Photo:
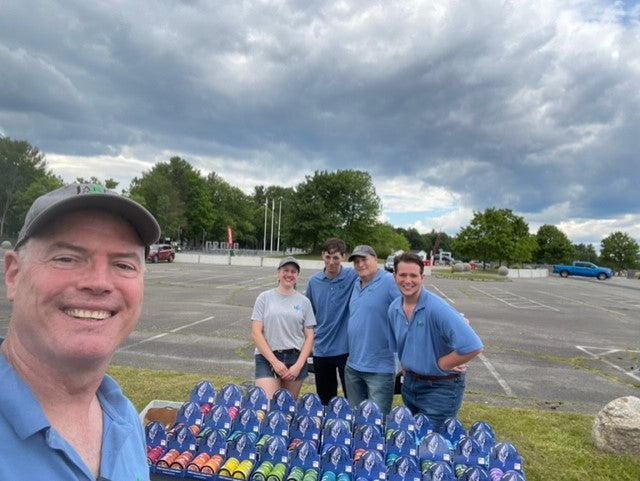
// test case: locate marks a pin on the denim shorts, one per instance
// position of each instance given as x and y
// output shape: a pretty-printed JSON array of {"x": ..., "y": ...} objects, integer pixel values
[{"x": 288, "y": 357}]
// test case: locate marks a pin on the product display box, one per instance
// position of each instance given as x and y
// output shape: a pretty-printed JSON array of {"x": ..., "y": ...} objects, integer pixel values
[
  {"x": 283, "y": 401},
  {"x": 401, "y": 442},
  {"x": 404, "y": 468},
  {"x": 368, "y": 436},
  {"x": 246, "y": 422},
  {"x": 439, "y": 471},
  {"x": 453, "y": 430},
  {"x": 336, "y": 459},
  {"x": 423, "y": 426},
  {"x": 310, "y": 404},
  {"x": 238, "y": 434},
  {"x": 306, "y": 428},
  {"x": 218, "y": 418},
  {"x": 504, "y": 457},
  {"x": 339, "y": 408},
  {"x": 368, "y": 412},
  {"x": 468, "y": 453},
  {"x": 401, "y": 418},
  {"x": 275, "y": 423},
  {"x": 370, "y": 466},
  {"x": 256, "y": 399},
  {"x": 203, "y": 393},
  {"x": 337, "y": 432},
  {"x": 305, "y": 456}
]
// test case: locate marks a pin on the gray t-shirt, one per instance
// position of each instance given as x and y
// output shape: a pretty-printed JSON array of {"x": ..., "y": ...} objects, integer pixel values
[{"x": 284, "y": 318}]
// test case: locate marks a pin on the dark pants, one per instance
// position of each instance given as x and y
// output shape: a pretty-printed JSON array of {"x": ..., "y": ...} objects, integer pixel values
[{"x": 324, "y": 369}]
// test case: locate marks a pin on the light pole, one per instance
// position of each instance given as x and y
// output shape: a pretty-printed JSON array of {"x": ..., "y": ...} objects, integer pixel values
[
  {"x": 264, "y": 241},
  {"x": 279, "y": 217},
  {"x": 273, "y": 210}
]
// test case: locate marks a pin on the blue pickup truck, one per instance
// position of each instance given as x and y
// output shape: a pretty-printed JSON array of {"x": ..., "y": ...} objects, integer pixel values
[{"x": 586, "y": 269}]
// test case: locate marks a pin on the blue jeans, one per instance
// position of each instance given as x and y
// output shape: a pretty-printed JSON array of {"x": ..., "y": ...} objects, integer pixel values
[
  {"x": 438, "y": 400},
  {"x": 370, "y": 385}
]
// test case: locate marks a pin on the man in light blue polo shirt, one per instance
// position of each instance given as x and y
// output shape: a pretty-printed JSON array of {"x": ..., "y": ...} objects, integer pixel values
[
  {"x": 76, "y": 282},
  {"x": 329, "y": 292},
  {"x": 371, "y": 367},
  {"x": 433, "y": 341}
]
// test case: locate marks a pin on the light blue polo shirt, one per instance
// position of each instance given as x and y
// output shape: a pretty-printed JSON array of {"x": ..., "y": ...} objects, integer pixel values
[
  {"x": 330, "y": 301},
  {"x": 369, "y": 332},
  {"x": 33, "y": 450},
  {"x": 434, "y": 330}
]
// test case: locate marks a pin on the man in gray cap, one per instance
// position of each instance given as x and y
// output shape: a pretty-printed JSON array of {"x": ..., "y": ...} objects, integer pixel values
[
  {"x": 371, "y": 366},
  {"x": 76, "y": 282}
]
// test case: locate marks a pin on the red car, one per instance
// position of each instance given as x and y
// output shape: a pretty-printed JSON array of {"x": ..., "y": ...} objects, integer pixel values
[{"x": 161, "y": 252}]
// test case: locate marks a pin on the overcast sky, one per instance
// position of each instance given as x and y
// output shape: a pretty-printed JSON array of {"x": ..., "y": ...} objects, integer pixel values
[{"x": 452, "y": 106}]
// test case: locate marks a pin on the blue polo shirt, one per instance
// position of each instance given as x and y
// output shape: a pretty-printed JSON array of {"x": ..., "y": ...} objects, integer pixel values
[
  {"x": 369, "y": 333},
  {"x": 33, "y": 450},
  {"x": 330, "y": 301},
  {"x": 434, "y": 330}
]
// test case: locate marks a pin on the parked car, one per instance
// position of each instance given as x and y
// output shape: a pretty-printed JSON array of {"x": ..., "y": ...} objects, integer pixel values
[
  {"x": 479, "y": 265},
  {"x": 388, "y": 264},
  {"x": 581, "y": 268},
  {"x": 161, "y": 252}
]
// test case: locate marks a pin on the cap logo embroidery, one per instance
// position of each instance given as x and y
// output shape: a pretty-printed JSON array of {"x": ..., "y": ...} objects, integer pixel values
[{"x": 91, "y": 189}]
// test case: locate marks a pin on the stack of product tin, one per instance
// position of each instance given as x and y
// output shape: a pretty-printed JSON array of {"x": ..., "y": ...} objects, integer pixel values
[{"x": 237, "y": 434}]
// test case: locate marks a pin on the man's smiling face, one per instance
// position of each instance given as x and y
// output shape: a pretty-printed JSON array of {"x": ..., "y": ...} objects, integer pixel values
[{"x": 77, "y": 288}]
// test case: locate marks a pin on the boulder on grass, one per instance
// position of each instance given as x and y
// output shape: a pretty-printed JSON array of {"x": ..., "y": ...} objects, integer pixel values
[
  {"x": 616, "y": 428},
  {"x": 459, "y": 267}
]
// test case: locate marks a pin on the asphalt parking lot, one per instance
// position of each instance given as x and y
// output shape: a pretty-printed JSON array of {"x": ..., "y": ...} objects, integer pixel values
[{"x": 551, "y": 343}]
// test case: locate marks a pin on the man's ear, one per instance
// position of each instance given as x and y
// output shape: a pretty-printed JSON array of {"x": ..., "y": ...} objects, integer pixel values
[{"x": 11, "y": 271}]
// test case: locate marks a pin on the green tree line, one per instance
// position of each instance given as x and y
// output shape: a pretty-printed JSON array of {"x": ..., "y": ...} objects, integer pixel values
[{"x": 193, "y": 208}]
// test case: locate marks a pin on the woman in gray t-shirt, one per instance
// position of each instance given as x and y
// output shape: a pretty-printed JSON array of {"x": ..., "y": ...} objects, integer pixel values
[{"x": 282, "y": 329}]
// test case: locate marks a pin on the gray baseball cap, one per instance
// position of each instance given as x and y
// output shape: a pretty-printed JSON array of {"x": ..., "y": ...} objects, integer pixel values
[
  {"x": 362, "y": 251},
  {"x": 56, "y": 203},
  {"x": 289, "y": 260}
]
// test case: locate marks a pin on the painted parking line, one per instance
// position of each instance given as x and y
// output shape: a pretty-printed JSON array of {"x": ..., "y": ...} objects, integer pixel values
[
  {"x": 442, "y": 294},
  {"x": 494, "y": 373},
  {"x": 624, "y": 302},
  {"x": 573, "y": 300},
  {"x": 213, "y": 361},
  {"x": 245, "y": 282},
  {"x": 514, "y": 300},
  {"x": 503, "y": 384},
  {"x": 202, "y": 279},
  {"x": 599, "y": 353},
  {"x": 159, "y": 336}
]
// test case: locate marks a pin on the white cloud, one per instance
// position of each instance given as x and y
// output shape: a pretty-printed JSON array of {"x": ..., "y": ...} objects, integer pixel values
[
  {"x": 592, "y": 231},
  {"x": 410, "y": 194}
]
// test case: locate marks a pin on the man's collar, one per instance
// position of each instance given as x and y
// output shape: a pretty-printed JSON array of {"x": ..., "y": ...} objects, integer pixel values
[{"x": 324, "y": 271}]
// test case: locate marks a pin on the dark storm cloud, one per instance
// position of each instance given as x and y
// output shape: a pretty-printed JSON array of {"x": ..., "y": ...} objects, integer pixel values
[{"x": 531, "y": 106}]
